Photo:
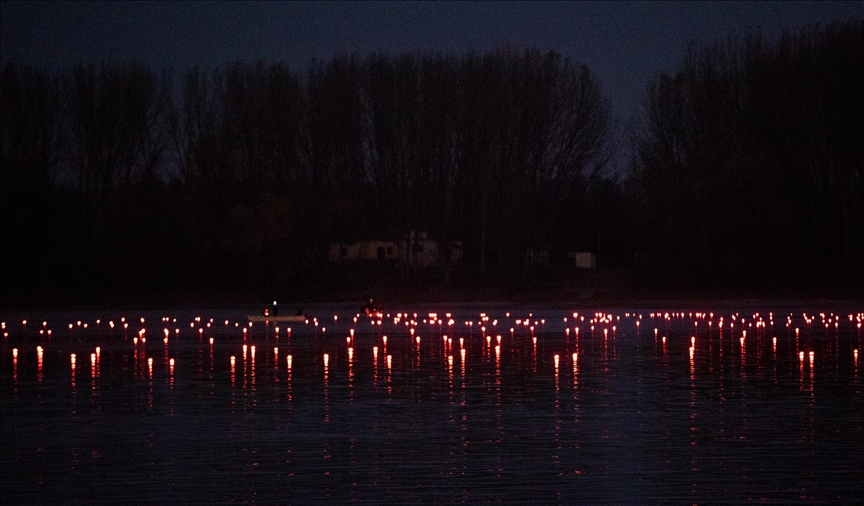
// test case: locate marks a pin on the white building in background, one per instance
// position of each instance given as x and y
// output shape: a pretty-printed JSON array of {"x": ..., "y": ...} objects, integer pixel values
[
  {"x": 417, "y": 249},
  {"x": 583, "y": 259},
  {"x": 364, "y": 250}
]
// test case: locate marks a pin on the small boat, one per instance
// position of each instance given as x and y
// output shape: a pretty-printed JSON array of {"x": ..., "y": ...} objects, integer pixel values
[
  {"x": 373, "y": 310},
  {"x": 278, "y": 319}
]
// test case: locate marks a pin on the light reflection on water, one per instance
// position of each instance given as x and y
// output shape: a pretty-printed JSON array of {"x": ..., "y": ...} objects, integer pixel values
[{"x": 618, "y": 407}]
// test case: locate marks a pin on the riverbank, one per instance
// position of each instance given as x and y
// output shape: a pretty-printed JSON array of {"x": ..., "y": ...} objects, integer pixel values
[{"x": 549, "y": 287}]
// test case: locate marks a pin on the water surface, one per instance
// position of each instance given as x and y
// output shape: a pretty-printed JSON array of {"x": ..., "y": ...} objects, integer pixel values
[{"x": 697, "y": 412}]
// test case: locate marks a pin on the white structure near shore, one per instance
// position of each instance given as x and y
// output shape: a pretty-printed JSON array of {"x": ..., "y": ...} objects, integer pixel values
[
  {"x": 417, "y": 249},
  {"x": 583, "y": 259}
]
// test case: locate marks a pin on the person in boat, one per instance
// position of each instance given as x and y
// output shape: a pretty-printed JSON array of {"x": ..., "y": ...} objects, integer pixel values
[
  {"x": 371, "y": 308},
  {"x": 272, "y": 310}
]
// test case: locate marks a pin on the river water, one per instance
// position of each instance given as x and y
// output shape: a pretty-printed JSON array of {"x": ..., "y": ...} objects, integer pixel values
[{"x": 474, "y": 404}]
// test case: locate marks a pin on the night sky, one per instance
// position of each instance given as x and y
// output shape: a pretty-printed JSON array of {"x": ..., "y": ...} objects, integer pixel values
[{"x": 624, "y": 43}]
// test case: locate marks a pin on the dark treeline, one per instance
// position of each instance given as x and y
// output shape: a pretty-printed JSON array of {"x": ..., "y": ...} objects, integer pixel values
[
  {"x": 746, "y": 171},
  {"x": 750, "y": 163},
  {"x": 115, "y": 178}
]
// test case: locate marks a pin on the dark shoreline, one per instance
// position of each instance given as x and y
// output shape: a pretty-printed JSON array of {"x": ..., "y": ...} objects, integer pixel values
[
  {"x": 550, "y": 298},
  {"x": 549, "y": 286}
]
